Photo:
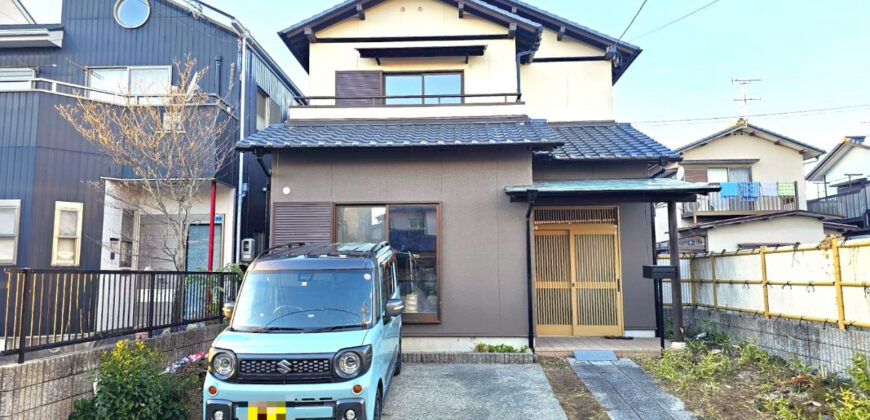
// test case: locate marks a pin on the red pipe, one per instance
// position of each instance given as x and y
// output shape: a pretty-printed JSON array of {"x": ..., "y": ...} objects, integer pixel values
[{"x": 211, "y": 226}]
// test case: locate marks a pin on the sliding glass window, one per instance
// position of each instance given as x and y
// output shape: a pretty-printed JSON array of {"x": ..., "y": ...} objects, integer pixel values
[
  {"x": 420, "y": 84},
  {"x": 413, "y": 232}
]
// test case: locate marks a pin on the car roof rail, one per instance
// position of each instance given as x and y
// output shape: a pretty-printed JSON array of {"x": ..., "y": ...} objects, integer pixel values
[{"x": 287, "y": 246}]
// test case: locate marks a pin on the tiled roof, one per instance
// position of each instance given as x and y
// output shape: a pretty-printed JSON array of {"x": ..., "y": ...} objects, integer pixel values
[
  {"x": 606, "y": 141},
  {"x": 408, "y": 133}
]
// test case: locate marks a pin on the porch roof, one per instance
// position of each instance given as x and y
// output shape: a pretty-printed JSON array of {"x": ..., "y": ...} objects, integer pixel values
[{"x": 637, "y": 190}]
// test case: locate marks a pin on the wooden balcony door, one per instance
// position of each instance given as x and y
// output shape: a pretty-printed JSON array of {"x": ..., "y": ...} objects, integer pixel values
[{"x": 578, "y": 289}]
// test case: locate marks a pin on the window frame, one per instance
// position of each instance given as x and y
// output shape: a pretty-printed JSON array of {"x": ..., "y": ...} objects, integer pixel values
[
  {"x": 218, "y": 241},
  {"x": 127, "y": 70},
  {"x": 79, "y": 209},
  {"x": 423, "y": 75},
  {"x": 13, "y": 82},
  {"x": 16, "y": 231},
  {"x": 411, "y": 318},
  {"x": 124, "y": 25},
  {"x": 131, "y": 239},
  {"x": 727, "y": 170}
]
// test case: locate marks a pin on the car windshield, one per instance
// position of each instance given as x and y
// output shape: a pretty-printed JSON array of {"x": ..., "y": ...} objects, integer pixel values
[{"x": 304, "y": 301}]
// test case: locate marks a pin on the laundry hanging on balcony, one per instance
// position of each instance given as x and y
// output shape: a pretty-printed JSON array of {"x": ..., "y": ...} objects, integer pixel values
[
  {"x": 769, "y": 189},
  {"x": 785, "y": 189},
  {"x": 748, "y": 191},
  {"x": 728, "y": 189}
]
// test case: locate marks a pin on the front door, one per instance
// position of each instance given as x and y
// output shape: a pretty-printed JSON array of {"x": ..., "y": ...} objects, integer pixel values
[{"x": 578, "y": 287}]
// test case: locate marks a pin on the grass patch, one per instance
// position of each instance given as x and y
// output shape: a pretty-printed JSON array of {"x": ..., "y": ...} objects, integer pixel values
[
  {"x": 576, "y": 401},
  {"x": 721, "y": 379},
  {"x": 498, "y": 348}
]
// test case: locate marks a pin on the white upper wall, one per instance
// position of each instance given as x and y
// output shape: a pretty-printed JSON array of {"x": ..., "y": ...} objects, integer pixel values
[
  {"x": 855, "y": 161},
  {"x": 12, "y": 13},
  {"x": 557, "y": 91},
  {"x": 806, "y": 230}
]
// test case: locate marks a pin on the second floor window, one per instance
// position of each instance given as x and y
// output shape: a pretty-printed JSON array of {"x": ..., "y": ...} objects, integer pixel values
[
  {"x": 268, "y": 112},
  {"x": 717, "y": 175},
  {"x": 423, "y": 84},
  {"x": 140, "y": 80},
  {"x": 15, "y": 78}
]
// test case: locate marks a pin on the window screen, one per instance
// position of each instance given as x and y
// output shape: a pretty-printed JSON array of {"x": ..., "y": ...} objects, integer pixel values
[
  {"x": 15, "y": 79},
  {"x": 67, "y": 233}
]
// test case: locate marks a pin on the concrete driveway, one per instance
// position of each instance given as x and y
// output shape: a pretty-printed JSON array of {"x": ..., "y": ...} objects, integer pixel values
[{"x": 470, "y": 391}]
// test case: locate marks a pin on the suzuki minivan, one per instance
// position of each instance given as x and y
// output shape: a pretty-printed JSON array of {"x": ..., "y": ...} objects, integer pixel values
[{"x": 315, "y": 333}]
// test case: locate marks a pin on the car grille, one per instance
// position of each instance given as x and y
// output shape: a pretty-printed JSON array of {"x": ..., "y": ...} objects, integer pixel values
[{"x": 285, "y": 370}]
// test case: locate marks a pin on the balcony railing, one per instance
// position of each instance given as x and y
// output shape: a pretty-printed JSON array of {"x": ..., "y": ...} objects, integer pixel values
[
  {"x": 411, "y": 100},
  {"x": 57, "y": 87},
  {"x": 850, "y": 205},
  {"x": 714, "y": 204}
]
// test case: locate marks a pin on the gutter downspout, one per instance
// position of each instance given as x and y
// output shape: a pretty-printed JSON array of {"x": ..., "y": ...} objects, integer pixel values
[
  {"x": 268, "y": 191},
  {"x": 530, "y": 291},
  {"x": 240, "y": 191},
  {"x": 520, "y": 56}
]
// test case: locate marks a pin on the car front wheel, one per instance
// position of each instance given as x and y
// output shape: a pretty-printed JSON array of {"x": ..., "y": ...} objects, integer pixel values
[{"x": 378, "y": 405}]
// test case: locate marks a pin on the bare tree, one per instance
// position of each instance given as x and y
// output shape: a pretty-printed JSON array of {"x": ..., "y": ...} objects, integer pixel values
[{"x": 174, "y": 142}]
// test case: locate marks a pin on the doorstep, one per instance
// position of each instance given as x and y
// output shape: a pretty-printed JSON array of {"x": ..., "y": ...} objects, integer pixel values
[{"x": 565, "y": 346}]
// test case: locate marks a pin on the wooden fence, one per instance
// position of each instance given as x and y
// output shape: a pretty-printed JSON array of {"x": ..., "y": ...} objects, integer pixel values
[{"x": 826, "y": 282}]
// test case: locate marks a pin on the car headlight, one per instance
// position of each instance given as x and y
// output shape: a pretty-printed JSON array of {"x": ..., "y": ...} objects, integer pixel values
[
  {"x": 222, "y": 364},
  {"x": 350, "y": 363}
]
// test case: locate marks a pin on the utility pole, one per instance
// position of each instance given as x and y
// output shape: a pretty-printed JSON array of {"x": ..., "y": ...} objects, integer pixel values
[{"x": 743, "y": 97}]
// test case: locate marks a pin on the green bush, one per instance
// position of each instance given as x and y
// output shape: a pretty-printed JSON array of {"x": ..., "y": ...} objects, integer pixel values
[
  {"x": 130, "y": 386},
  {"x": 498, "y": 348}
]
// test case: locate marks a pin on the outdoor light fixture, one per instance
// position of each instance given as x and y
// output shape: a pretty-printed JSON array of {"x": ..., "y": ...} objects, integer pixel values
[{"x": 286, "y": 190}]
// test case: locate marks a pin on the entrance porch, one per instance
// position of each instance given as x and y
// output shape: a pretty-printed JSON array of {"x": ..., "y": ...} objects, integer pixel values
[{"x": 561, "y": 346}]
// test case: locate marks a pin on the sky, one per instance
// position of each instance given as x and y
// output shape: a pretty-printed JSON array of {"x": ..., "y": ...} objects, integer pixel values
[{"x": 808, "y": 54}]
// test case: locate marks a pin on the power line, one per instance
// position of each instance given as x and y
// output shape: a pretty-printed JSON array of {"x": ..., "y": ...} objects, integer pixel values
[
  {"x": 674, "y": 21},
  {"x": 632, "y": 20},
  {"x": 768, "y": 114}
]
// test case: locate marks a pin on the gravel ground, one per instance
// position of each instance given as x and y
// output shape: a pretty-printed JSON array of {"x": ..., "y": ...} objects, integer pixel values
[{"x": 467, "y": 391}]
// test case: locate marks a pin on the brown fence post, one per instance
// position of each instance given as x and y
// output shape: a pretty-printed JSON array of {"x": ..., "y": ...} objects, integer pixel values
[
  {"x": 838, "y": 283},
  {"x": 763, "y": 255}
]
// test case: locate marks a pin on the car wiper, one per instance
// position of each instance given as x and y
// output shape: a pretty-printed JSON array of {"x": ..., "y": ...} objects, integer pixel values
[
  {"x": 267, "y": 329},
  {"x": 334, "y": 328}
]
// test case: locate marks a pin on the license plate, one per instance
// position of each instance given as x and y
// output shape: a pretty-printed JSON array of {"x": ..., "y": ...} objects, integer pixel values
[{"x": 269, "y": 411}]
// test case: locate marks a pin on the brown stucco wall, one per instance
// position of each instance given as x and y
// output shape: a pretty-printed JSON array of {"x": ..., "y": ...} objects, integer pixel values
[
  {"x": 482, "y": 262},
  {"x": 635, "y": 234}
]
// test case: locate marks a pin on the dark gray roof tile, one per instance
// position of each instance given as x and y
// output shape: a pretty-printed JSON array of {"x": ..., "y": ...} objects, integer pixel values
[{"x": 606, "y": 141}]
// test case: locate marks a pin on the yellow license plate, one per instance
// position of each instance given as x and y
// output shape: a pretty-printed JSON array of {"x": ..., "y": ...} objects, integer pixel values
[{"x": 267, "y": 411}]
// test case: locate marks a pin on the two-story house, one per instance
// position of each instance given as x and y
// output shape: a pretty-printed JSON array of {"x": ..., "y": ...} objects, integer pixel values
[
  {"x": 763, "y": 197},
  {"x": 52, "y": 213},
  {"x": 478, "y": 138},
  {"x": 843, "y": 181}
]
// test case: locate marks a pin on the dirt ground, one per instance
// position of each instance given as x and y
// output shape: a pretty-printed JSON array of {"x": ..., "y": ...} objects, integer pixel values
[{"x": 576, "y": 400}]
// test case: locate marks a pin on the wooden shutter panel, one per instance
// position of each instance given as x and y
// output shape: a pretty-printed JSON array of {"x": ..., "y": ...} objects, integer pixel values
[
  {"x": 364, "y": 84},
  {"x": 696, "y": 174},
  {"x": 301, "y": 222}
]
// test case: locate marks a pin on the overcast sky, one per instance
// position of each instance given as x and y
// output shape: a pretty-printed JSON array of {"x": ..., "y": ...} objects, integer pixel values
[{"x": 809, "y": 54}]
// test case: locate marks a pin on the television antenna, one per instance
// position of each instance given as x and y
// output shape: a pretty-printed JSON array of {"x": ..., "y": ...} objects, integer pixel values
[{"x": 743, "y": 96}]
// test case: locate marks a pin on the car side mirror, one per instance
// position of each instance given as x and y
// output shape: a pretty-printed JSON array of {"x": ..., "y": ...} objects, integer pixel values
[
  {"x": 228, "y": 309},
  {"x": 394, "y": 307}
]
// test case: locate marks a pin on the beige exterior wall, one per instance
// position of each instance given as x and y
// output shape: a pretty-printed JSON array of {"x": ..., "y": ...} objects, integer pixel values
[
  {"x": 801, "y": 229},
  {"x": 776, "y": 162},
  {"x": 482, "y": 261},
  {"x": 564, "y": 91}
]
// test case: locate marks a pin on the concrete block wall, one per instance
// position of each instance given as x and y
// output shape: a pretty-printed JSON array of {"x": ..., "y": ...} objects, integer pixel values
[
  {"x": 815, "y": 344},
  {"x": 46, "y": 388}
]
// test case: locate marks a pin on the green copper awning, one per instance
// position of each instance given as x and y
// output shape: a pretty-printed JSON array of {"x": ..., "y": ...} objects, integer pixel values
[{"x": 637, "y": 190}]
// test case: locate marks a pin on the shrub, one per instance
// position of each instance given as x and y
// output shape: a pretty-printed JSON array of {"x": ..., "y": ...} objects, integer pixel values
[
  {"x": 130, "y": 386},
  {"x": 498, "y": 348}
]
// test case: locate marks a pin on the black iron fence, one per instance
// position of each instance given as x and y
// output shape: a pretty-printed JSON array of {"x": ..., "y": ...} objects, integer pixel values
[{"x": 50, "y": 308}]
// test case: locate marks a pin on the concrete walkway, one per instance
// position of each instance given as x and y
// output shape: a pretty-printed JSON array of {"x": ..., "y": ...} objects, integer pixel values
[
  {"x": 469, "y": 391},
  {"x": 627, "y": 392}
]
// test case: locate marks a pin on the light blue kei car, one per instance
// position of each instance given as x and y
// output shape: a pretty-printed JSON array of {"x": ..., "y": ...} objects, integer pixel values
[{"x": 315, "y": 333}]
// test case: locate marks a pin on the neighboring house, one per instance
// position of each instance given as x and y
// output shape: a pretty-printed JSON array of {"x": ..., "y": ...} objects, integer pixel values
[
  {"x": 749, "y": 232},
  {"x": 477, "y": 137},
  {"x": 760, "y": 172},
  {"x": 51, "y": 214},
  {"x": 843, "y": 180}
]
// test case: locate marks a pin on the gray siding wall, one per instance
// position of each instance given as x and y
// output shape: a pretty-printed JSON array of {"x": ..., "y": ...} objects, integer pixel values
[
  {"x": 635, "y": 234},
  {"x": 482, "y": 261}
]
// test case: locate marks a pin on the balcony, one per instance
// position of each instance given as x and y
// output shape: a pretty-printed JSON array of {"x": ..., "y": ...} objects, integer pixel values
[
  {"x": 408, "y": 106},
  {"x": 714, "y": 204},
  {"x": 850, "y": 205}
]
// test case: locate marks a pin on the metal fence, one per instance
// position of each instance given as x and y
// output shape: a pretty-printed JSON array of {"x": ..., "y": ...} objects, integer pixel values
[
  {"x": 847, "y": 205},
  {"x": 827, "y": 282},
  {"x": 50, "y": 308}
]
